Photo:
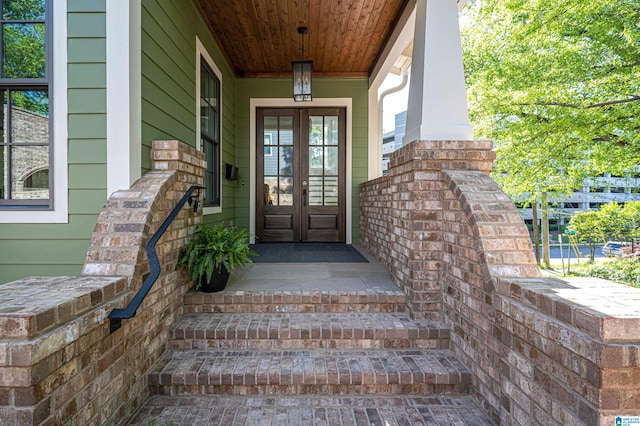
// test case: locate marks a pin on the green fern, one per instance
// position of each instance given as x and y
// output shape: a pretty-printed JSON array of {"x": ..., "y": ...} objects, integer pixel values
[{"x": 213, "y": 247}]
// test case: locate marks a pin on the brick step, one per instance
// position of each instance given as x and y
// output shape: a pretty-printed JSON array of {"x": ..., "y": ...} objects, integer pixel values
[
  {"x": 295, "y": 301},
  {"x": 304, "y": 372},
  {"x": 286, "y": 411},
  {"x": 307, "y": 331}
]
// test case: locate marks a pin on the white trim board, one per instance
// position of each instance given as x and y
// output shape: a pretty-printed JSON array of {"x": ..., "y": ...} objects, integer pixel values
[
  {"x": 290, "y": 103},
  {"x": 124, "y": 95},
  {"x": 202, "y": 51}
]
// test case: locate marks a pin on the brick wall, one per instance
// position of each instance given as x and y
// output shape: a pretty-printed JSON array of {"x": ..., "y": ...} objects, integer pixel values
[
  {"x": 541, "y": 351},
  {"x": 569, "y": 351},
  {"x": 58, "y": 361},
  {"x": 402, "y": 215}
]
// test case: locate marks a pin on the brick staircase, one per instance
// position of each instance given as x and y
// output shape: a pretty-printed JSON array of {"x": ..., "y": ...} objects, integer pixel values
[{"x": 297, "y": 358}]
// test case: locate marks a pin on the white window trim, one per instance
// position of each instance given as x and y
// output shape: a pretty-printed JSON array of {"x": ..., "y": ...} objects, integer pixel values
[
  {"x": 290, "y": 103},
  {"x": 58, "y": 140},
  {"x": 124, "y": 95},
  {"x": 201, "y": 51}
]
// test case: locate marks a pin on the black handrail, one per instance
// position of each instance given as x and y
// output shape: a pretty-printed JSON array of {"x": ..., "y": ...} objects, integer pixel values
[{"x": 117, "y": 315}]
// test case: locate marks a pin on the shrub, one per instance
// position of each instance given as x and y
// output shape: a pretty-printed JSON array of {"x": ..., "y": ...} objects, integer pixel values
[{"x": 624, "y": 271}]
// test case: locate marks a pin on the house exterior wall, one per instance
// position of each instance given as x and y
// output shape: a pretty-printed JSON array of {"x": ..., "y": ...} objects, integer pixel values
[
  {"x": 59, "y": 248},
  {"x": 168, "y": 31},
  {"x": 169, "y": 63}
]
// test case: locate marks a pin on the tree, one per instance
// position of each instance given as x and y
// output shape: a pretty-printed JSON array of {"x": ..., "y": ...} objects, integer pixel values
[
  {"x": 613, "y": 223},
  {"x": 586, "y": 225},
  {"x": 631, "y": 213},
  {"x": 556, "y": 84}
]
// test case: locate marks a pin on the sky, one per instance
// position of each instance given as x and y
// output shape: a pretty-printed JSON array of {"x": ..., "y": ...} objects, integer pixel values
[{"x": 394, "y": 103}]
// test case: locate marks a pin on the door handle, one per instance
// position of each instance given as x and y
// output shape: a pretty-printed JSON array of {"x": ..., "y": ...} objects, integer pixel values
[{"x": 304, "y": 197}]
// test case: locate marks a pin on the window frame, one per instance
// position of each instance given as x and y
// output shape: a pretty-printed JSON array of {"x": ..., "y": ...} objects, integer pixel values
[
  {"x": 203, "y": 57},
  {"x": 8, "y": 85}
]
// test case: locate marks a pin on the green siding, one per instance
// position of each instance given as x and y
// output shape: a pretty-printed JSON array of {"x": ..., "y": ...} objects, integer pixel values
[
  {"x": 169, "y": 30},
  {"x": 60, "y": 249},
  {"x": 87, "y": 76}
]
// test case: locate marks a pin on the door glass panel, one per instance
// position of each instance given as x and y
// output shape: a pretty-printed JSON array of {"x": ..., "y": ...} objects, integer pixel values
[
  {"x": 286, "y": 161},
  {"x": 316, "y": 160},
  {"x": 286, "y": 131},
  {"x": 331, "y": 191},
  {"x": 270, "y": 190},
  {"x": 331, "y": 130},
  {"x": 271, "y": 129},
  {"x": 331, "y": 160},
  {"x": 278, "y": 154},
  {"x": 315, "y": 190},
  {"x": 285, "y": 191},
  {"x": 323, "y": 160},
  {"x": 316, "y": 131},
  {"x": 270, "y": 160},
  {"x": 323, "y": 191}
]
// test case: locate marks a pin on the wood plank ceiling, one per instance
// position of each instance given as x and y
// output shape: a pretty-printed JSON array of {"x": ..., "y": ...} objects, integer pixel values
[{"x": 260, "y": 37}]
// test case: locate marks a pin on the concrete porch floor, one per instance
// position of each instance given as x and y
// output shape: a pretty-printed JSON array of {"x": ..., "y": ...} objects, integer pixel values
[{"x": 327, "y": 276}]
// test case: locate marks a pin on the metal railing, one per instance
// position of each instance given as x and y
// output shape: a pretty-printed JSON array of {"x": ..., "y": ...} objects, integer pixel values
[{"x": 117, "y": 315}]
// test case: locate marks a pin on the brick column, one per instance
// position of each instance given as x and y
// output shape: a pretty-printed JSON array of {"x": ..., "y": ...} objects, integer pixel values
[{"x": 403, "y": 214}]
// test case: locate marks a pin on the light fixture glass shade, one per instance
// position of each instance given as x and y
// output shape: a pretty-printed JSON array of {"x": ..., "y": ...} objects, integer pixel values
[{"x": 302, "y": 76}]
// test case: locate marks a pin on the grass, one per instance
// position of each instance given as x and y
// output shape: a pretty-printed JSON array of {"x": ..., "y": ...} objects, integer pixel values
[{"x": 623, "y": 271}]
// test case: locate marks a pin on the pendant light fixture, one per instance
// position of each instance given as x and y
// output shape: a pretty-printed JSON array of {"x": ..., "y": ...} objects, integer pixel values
[{"x": 302, "y": 74}]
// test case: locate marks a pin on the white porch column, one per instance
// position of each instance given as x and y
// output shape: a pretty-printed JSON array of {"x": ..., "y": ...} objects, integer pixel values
[
  {"x": 124, "y": 94},
  {"x": 437, "y": 107}
]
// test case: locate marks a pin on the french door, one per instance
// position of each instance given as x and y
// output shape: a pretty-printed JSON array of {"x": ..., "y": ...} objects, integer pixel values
[{"x": 301, "y": 174}]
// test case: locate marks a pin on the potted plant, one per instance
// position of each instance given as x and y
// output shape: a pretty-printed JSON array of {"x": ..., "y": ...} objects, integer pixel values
[{"x": 212, "y": 253}]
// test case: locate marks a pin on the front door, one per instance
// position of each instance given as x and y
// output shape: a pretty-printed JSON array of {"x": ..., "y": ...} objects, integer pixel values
[{"x": 301, "y": 174}]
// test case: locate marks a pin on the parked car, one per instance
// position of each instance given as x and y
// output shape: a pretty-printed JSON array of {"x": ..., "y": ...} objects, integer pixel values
[{"x": 612, "y": 248}]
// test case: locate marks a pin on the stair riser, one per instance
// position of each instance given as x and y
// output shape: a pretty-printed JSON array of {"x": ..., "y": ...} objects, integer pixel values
[
  {"x": 296, "y": 302},
  {"x": 274, "y": 344},
  {"x": 312, "y": 389},
  {"x": 256, "y": 308}
]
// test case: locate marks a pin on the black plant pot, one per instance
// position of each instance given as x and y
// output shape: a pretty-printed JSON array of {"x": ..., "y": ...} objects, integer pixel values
[{"x": 217, "y": 282}]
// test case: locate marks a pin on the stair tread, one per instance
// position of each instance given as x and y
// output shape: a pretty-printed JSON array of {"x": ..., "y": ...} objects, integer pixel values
[
  {"x": 298, "y": 410},
  {"x": 293, "y": 367},
  {"x": 306, "y": 326}
]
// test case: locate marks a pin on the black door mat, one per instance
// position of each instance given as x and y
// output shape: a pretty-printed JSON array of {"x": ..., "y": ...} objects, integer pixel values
[{"x": 306, "y": 252}]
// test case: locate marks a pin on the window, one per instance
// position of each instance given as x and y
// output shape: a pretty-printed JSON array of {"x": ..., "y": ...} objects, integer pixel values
[
  {"x": 25, "y": 152},
  {"x": 210, "y": 132}
]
